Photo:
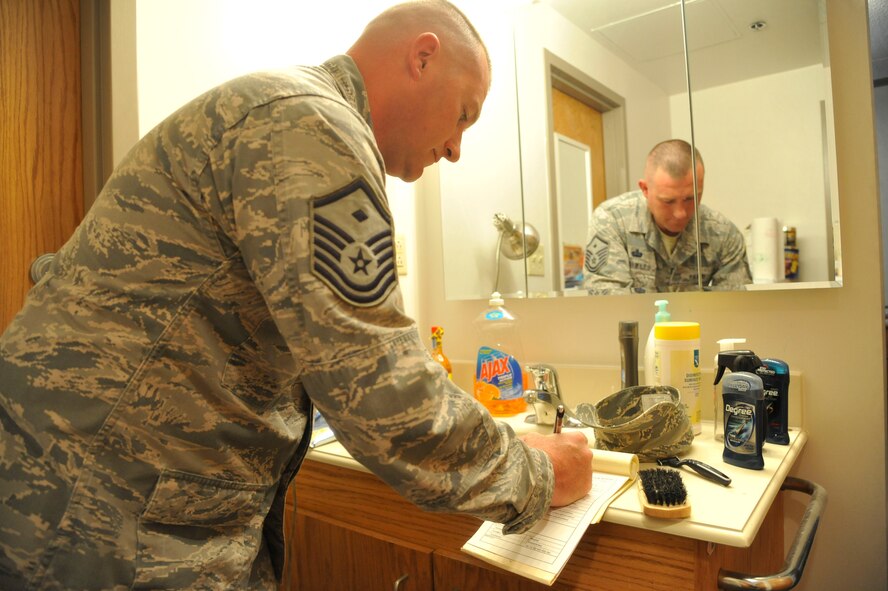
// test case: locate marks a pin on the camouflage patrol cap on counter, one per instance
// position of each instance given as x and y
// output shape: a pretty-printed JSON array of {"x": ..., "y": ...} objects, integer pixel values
[{"x": 649, "y": 421}]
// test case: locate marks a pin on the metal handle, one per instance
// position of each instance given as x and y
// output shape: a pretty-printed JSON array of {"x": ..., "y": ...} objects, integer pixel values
[
  {"x": 794, "y": 564},
  {"x": 40, "y": 266},
  {"x": 545, "y": 378},
  {"x": 399, "y": 581}
]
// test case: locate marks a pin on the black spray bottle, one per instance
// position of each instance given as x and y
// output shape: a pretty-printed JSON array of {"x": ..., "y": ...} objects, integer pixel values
[
  {"x": 775, "y": 378},
  {"x": 743, "y": 394}
]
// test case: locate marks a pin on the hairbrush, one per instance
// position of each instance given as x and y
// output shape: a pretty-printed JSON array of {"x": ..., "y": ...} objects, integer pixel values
[{"x": 662, "y": 493}]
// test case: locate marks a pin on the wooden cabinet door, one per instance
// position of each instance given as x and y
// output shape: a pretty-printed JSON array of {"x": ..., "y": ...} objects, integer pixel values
[
  {"x": 333, "y": 557},
  {"x": 609, "y": 558},
  {"x": 41, "y": 170},
  {"x": 458, "y": 572}
]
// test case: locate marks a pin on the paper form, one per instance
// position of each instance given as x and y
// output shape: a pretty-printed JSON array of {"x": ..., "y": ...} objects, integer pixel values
[{"x": 541, "y": 552}]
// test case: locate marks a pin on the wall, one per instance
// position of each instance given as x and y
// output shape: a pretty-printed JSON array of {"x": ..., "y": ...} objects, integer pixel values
[
  {"x": 166, "y": 52},
  {"x": 487, "y": 178},
  {"x": 835, "y": 336}
]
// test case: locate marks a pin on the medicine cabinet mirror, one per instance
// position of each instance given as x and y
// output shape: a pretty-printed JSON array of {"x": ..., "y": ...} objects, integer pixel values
[{"x": 594, "y": 84}]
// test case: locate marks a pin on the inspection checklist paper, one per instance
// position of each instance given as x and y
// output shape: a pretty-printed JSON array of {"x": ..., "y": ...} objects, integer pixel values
[{"x": 541, "y": 552}]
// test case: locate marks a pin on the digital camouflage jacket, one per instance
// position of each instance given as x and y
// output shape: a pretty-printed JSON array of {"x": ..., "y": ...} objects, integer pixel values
[{"x": 156, "y": 389}]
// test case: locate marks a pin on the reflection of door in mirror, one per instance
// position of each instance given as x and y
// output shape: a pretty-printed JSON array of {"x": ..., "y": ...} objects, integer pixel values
[
  {"x": 588, "y": 164},
  {"x": 582, "y": 122},
  {"x": 580, "y": 180},
  {"x": 574, "y": 179}
]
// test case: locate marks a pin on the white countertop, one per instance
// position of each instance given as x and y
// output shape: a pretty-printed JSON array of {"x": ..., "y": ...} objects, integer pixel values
[{"x": 723, "y": 515}]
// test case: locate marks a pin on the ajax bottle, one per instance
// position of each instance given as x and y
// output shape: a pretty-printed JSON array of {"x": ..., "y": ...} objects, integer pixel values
[
  {"x": 438, "y": 350},
  {"x": 499, "y": 378}
]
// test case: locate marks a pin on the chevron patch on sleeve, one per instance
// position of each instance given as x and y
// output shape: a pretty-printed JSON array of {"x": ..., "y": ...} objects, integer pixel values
[{"x": 352, "y": 249}]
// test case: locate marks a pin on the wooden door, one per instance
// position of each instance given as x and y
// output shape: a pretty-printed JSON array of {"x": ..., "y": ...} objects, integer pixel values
[
  {"x": 582, "y": 123},
  {"x": 41, "y": 161}
]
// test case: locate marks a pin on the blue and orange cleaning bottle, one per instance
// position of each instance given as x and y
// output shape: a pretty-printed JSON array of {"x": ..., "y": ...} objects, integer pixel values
[{"x": 500, "y": 379}]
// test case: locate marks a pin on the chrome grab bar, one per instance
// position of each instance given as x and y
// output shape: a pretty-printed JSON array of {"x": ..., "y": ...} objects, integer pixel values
[{"x": 794, "y": 565}]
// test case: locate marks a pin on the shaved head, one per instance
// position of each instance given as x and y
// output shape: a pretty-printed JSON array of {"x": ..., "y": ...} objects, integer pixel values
[
  {"x": 437, "y": 16},
  {"x": 672, "y": 156},
  {"x": 427, "y": 74}
]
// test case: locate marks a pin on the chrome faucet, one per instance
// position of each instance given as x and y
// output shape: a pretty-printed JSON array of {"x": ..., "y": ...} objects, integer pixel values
[{"x": 545, "y": 396}]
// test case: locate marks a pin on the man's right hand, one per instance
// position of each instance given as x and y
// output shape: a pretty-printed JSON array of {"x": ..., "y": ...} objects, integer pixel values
[{"x": 571, "y": 461}]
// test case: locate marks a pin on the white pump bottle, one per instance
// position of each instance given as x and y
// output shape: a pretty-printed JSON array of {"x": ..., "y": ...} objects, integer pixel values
[{"x": 662, "y": 315}]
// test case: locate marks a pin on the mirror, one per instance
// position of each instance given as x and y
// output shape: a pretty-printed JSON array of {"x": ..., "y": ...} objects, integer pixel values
[
  {"x": 761, "y": 101},
  {"x": 760, "y": 112}
]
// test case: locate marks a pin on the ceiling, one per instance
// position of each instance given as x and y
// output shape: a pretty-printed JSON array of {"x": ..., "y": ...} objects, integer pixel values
[{"x": 723, "y": 47}]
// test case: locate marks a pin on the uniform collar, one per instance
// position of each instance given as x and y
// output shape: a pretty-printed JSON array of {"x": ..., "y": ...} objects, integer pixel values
[
  {"x": 350, "y": 83},
  {"x": 643, "y": 223}
]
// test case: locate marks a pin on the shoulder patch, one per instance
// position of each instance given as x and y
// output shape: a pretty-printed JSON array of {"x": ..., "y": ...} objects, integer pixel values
[
  {"x": 352, "y": 249},
  {"x": 596, "y": 254}
]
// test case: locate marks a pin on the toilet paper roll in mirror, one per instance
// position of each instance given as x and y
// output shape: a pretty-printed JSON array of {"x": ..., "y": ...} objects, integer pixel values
[{"x": 766, "y": 258}]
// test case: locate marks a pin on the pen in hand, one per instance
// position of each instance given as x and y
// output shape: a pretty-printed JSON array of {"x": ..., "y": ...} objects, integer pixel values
[{"x": 559, "y": 418}]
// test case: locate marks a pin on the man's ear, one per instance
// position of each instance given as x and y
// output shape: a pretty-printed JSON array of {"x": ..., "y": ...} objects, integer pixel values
[
  {"x": 424, "y": 49},
  {"x": 643, "y": 186}
]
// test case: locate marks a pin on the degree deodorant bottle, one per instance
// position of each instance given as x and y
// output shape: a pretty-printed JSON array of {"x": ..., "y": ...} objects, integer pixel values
[
  {"x": 775, "y": 378},
  {"x": 743, "y": 396}
]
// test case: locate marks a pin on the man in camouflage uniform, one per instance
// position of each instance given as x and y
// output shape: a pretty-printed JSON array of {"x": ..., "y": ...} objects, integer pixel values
[
  {"x": 643, "y": 241},
  {"x": 237, "y": 269}
]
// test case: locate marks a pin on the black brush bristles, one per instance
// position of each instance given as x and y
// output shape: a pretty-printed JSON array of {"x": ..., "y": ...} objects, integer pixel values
[{"x": 663, "y": 487}]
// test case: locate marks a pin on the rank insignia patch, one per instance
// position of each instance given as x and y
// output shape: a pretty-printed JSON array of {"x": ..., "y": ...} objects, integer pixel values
[
  {"x": 352, "y": 250},
  {"x": 596, "y": 254}
]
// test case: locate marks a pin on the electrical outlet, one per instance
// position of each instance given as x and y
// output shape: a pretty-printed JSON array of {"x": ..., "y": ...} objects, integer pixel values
[
  {"x": 536, "y": 265},
  {"x": 401, "y": 254}
]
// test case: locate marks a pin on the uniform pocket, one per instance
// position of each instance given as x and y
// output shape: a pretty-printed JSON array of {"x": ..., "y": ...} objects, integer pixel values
[
  {"x": 261, "y": 369},
  {"x": 199, "y": 532}
]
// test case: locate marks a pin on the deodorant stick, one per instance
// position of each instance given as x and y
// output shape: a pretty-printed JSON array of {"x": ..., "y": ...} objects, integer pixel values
[{"x": 743, "y": 396}]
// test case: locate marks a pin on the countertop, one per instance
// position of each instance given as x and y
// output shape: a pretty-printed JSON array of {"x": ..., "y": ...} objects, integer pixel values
[{"x": 723, "y": 515}]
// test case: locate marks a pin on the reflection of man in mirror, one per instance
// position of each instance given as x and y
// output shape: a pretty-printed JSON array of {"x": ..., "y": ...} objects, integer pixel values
[{"x": 643, "y": 241}]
